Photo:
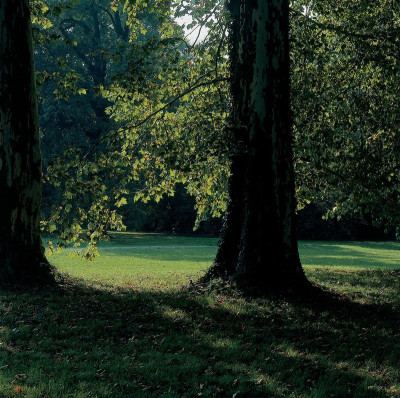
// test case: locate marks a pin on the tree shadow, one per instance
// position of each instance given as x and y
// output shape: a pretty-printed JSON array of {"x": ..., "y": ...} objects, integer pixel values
[{"x": 72, "y": 340}]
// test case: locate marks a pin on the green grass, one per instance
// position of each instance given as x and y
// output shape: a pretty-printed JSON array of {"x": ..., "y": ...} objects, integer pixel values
[
  {"x": 162, "y": 262},
  {"x": 357, "y": 255},
  {"x": 118, "y": 333},
  {"x": 143, "y": 261}
]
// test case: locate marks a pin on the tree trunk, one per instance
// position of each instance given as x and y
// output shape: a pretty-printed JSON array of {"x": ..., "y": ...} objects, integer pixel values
[
  {"x": 21, "y": 253},
  {"x": 258, "y": 246}
]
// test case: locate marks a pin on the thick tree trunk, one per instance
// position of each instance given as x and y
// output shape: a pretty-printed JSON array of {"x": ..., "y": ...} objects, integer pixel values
[
  {"x": 259, "y": 245},
  {"x": 21, "y": 254}
]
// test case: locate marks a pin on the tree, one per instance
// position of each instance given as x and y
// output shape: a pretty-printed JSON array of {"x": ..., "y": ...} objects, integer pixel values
[
  {"x": 344, "y": 82},
  {"x": 258, "y": 245},
  {"x": 345, "y": 86},
  {"x": 21, "y": 254},
  {"x": 169, "y": 104}
]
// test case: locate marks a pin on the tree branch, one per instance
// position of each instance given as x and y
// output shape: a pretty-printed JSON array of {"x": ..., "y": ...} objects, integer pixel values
[
  {"x": 159, "y": 110},
  {"x": 343, "y": 31}
]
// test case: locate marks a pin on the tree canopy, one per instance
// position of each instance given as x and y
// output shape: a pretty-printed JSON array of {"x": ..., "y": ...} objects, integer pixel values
[{"x": 149, "y": 106}]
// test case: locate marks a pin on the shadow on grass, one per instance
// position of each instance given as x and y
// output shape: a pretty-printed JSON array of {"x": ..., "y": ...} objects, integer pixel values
[{"x": 73, "y": 340}]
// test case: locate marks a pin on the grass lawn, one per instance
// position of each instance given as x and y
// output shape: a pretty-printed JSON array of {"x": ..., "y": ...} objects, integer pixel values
[
  {"x": 123, "y": 327},
  {"x": 143, "y": 261},
  {"x": 162, "y": 262}
]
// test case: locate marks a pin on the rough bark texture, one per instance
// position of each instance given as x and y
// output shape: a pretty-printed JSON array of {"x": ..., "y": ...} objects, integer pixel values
[
  {"x": 21, "y": 254},
  {"x": 259, "y": 245}
]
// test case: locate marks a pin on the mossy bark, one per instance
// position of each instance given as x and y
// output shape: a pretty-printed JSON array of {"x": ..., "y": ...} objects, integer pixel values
[
  {"x": 259, "y": 245},
  {"x": 21, "y": 253}
]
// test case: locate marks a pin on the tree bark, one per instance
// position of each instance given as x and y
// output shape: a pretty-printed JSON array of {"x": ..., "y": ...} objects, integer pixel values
[
  {"x": 258, "y": 246},
  {"x": 21, "y": 252}
]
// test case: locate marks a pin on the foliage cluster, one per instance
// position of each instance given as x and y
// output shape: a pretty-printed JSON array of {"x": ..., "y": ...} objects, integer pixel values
[{"x": 345, "y": 90}]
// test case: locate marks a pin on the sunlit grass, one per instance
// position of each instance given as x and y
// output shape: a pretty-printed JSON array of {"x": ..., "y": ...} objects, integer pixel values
[
  {"x": 359, "y": 255},
  {"x": 142, "y": 261},
  {"x": 164, "y": 262}
]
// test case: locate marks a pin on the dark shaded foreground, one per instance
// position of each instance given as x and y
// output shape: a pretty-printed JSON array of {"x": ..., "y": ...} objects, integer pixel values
[{"x": 71, "y": 340}]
